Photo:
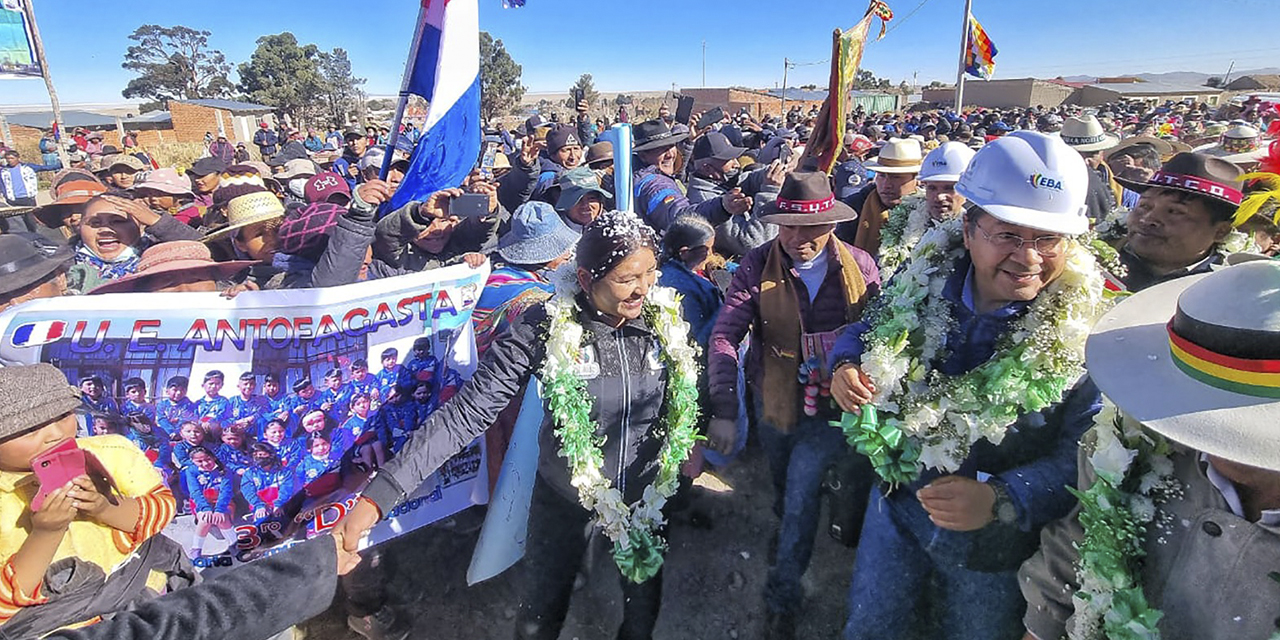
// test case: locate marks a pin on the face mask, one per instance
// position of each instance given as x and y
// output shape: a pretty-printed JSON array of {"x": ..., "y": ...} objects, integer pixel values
[
  {"x": 730, "y": 175},
  {"x": 298, "y": 187}
]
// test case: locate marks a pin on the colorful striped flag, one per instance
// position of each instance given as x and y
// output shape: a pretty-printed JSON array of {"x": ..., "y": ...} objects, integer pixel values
[
  {"x": 846, "y": 54},
  {"x": 37, "y": 333},
  {"x": 980, "y": 52},
  {"x": 444, "y": 68}
]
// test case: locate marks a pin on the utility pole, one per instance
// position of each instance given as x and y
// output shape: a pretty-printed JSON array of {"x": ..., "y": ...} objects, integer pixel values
[
  {"x": 964, "y": 46},
  {"x": 1227, "y": 78},
  {"x": 704, "y": 63},
  {"x": 29, "y": 12},
  {"x": 782, "y": 113}
]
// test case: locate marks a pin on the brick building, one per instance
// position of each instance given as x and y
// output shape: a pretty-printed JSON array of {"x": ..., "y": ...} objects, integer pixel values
[
  {"x": 185, "y": 121},
  {"x": 191, "y": 119},
  {"x": 1013, "y": 92}
]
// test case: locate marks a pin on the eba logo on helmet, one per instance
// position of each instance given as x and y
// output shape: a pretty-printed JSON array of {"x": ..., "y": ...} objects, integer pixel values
[{"x": 1041, "y": 181}]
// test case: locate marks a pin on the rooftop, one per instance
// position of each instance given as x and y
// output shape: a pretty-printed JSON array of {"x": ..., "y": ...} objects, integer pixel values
[
  {"x": 70, "y": 118},
  {"x": 1155, "y": 88},
  {"x": 230, "y": 105}
]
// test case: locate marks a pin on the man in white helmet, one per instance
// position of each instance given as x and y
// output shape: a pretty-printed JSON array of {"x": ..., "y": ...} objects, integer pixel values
[
  {"x": 974, "y": 362},
  {"x": 918, "y": 213}
]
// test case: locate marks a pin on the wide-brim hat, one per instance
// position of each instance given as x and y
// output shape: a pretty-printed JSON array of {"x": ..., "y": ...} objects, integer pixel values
[
  {"x": 805, "y": 199},
  {"x": 185, "y": 256},
  {"x": 1086, "y": 134},
  {"x": 165, "y": 180},
  {"x": 537, "y": 236},
  {"x": 72, "y": 192},
  {"x": 1196, "y": 173},
  {"x": 125, "y": 160},
  {"x": 26, "y": 259},
  {"x": 247, "y": 209},
  {"x": 655, "y": 134},
  {"x": 297, "y": 168},
  {"x": 1197, "y": 360},
  {"x": 898, "y": 155},
  {"x": 1163, "y": 147}
]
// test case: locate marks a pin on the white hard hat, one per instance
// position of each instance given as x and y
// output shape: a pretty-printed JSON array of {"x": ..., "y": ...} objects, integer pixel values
[
  {"x": 946, "y": 163},
  {"x": 1031, "y": 180}
]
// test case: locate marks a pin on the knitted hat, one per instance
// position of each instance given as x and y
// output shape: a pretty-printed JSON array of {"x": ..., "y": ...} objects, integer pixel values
[
  {"x": 307, "y": 228},
  {"x": 32, "y": 396},
  {"x": 237, "y": 180}
]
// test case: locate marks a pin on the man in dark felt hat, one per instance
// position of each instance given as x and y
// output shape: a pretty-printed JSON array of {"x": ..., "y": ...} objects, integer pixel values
[
  {"x": 659, "y": 198},
  {"x": 206, "y": 175},
  {"x": 31, "y": 267},
  {"x": 1183, "y": 214},
  {"x": 791, "y": 294}
]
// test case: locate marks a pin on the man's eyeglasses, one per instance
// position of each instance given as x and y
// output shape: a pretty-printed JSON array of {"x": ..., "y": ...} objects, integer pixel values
[{"x": 1046, "y": 246}]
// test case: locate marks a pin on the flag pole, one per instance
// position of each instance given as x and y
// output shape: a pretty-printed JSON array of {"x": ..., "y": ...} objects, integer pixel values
[
  {"x": 964, "y": 47},
  {"x": 38, "y": 46},
  {"x": 404, "y": 94}
]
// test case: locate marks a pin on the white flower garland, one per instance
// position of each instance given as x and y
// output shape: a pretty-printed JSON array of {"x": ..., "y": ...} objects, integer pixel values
[
  {"x": 1134, "y": 474},
  {"x": 1037, "y": 358},
  {"x": 637, "y": 548},
  {"x": 907, "y": 224}
]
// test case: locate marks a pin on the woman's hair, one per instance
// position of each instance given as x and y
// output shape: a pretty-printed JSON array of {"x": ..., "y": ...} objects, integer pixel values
[
  {"x": 686, "y": 231},
  {"x": 609, "y": 239}
]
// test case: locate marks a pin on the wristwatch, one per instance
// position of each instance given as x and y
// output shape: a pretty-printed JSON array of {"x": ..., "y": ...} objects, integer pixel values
[{"x": 1003, "y": 509}]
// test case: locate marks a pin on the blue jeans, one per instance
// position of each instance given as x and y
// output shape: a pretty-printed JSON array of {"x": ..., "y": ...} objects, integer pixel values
[
  {"x": 797, "y": 461},
  {"x": 899, "y": 552}
]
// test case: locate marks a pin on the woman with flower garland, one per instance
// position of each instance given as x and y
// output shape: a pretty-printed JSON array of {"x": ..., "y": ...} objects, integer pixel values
[
  {"x": 1178, "y": 531},
  {"x": 620, "y": 378},
  {"x": 973, "y": 359}
]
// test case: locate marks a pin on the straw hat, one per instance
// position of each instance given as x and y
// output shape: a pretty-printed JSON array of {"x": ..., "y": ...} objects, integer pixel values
[
  {"x": 247, "y": 209},
  {"x": 187, "y": 256},
  {"x": 1195, "y": 360},
  {"x": 1086, "y": 134},
  {"x": 898, "y": 155}
]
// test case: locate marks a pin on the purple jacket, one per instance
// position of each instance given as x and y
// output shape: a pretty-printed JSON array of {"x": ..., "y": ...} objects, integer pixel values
[{"x": 741, "y": 313}]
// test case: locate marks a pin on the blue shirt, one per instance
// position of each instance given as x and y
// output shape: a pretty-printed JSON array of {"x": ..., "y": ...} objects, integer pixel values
[
  {"x": 701, "y": 301},
  {"x": 154, "y": 445},
  {"x": 310, "y": 468},
  {"x": 255, "y": 407},
  {"x": 232, "y": 458},
  {"x": 340, "y": 401},
  {"x": 217, "y": 409},
  {"x": 366, "y": 386},
  {"x": 387, "y": 380},
  {"x": 297, "y": 406},
  {"x": 128, "y": 406},
  {"x": 289, "y": 451},
  {"x": 394, "y": 421},
  {"x": 257, "y": 483},
  {"x": 170, "y": 415},
  {"x": 210, "y": 490}
]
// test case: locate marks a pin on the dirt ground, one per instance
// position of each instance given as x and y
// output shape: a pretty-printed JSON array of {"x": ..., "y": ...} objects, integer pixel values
[{"x": 713, "y": 582}]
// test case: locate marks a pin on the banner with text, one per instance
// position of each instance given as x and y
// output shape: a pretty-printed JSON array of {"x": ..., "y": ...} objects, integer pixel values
[
  {"x": 17, "y": 56},
  {"x": 322, "y": 387}
]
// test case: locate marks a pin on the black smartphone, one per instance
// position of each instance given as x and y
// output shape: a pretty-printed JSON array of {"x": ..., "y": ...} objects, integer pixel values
[
  {"x": 711, "y": 117},
  {"x": 578, "y": 96},
  {"x": 684, "y": 109},
  {"x": 469, "y": 205}
]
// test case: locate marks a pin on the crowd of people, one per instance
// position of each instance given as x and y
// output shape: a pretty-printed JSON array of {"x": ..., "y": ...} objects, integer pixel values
[{"x": 911, "y": 335}]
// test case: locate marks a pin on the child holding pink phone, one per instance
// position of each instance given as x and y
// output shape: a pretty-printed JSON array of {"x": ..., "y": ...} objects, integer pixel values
[
  {"x": 211, "y": 491},
  {"x": 111, "y": 536}
]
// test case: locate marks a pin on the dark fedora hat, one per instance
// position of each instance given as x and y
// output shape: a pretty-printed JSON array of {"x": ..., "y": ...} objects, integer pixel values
[
  {"x": 654, "y": 134},
  {"x": 1196, "y": 173},
  {"x": 805, "y": 199},
  {"x": 27, "y": 259}
]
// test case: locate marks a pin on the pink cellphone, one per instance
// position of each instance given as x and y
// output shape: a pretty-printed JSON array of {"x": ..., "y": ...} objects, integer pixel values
[
  {"x": 65, "y": 462},
  {"x": 55, "y": 468}
]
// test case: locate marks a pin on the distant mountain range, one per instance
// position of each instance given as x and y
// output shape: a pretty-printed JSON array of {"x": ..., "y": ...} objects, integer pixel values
[{"x": 1180, "y": 77}]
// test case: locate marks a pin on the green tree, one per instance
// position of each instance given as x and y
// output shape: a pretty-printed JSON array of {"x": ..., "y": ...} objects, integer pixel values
[
  {"x": 286, "y": 76},
  {"x": 500, "y": 88},
  {"x": 342, "y": 95},
  {"x": 174, "y": 63},
  {"x": 588, "y": 88}
]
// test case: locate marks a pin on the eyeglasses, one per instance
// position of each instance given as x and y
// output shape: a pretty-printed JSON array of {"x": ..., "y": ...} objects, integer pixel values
[{"x": 1046, "y": 246}]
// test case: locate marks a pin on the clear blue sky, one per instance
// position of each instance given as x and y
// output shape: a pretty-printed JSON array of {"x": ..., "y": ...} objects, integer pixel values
[{"x": 650, "y": 45}]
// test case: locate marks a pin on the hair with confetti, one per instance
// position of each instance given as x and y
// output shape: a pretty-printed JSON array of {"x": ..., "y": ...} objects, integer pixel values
[{"x": 610, "y": 238}]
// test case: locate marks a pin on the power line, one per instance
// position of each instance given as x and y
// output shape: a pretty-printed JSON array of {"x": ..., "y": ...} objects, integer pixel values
[{"x": 907, "y": 17}]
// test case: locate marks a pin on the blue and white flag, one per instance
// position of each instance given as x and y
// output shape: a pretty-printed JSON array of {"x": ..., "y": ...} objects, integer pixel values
[{"x": 444, "y": 68}]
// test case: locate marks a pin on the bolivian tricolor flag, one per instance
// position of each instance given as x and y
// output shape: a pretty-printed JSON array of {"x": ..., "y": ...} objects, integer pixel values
[{"x": 980, "y": 52}]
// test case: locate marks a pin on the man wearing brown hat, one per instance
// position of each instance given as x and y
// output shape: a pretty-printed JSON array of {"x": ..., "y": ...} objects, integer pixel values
[
  {"x": 1184, "y": 212},
  {"x": 659, "y": 199},
  {"x": 793, "y": 294}
]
